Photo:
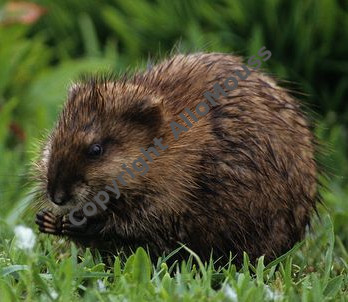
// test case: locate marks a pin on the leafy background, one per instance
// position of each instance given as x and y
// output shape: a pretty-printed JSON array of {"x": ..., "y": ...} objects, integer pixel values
[{"x": 46, "y": 45}]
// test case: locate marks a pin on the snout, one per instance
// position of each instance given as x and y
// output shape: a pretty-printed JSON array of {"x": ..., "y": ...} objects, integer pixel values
[{"x": 59, "y": 197}]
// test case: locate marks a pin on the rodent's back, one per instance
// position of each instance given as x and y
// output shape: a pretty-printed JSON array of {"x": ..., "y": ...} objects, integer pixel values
[{"x": 251, "y": 166}]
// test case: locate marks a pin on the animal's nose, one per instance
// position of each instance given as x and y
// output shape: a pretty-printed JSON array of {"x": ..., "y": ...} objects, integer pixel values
[{"x": 60, "y": 197}]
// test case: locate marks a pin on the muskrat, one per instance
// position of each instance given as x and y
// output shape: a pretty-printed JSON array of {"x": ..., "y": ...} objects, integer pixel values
[{"x": 243, "y": 178}]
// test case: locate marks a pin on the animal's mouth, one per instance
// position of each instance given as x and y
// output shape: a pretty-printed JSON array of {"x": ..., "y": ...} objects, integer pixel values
[
  {"x": 83, "y": 206},
  {"x": 61, "y": 209},
  {"x": 65, "y": 208}
]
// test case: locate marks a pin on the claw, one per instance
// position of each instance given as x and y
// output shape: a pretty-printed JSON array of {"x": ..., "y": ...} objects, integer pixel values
[
  {"x": 48, "y": 223},
  {"x": 49, "y": 230}
]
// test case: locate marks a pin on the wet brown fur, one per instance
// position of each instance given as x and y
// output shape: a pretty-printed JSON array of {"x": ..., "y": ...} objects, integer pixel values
[{"x": 243, "y": 178}]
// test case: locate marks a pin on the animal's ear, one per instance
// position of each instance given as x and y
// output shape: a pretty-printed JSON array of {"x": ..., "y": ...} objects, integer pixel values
[{"x": 144, "y": 113}]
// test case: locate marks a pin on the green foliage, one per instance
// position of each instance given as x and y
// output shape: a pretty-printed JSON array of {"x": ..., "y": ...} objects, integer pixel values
[
  {"x": 44, "y": 278},
  {"x": 38, "y": 61},
  {"x": 307, "y": 38}
]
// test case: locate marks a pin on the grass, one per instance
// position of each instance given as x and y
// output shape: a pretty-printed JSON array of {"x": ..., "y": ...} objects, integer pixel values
[
  {"x": 53, "y": 271},
  {"x": 38, "y": 61}
]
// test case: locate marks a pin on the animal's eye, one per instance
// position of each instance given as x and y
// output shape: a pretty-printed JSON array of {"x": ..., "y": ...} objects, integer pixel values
[{"x": 95, "y": 150}]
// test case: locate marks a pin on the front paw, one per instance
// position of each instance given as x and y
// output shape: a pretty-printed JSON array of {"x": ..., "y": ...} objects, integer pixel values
[
  {"x": 73, "y": 230},
  {"x": 89, "y": 229},
  {"x": 48, "y": 223},
  {"x": 62, "y": 225}
]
